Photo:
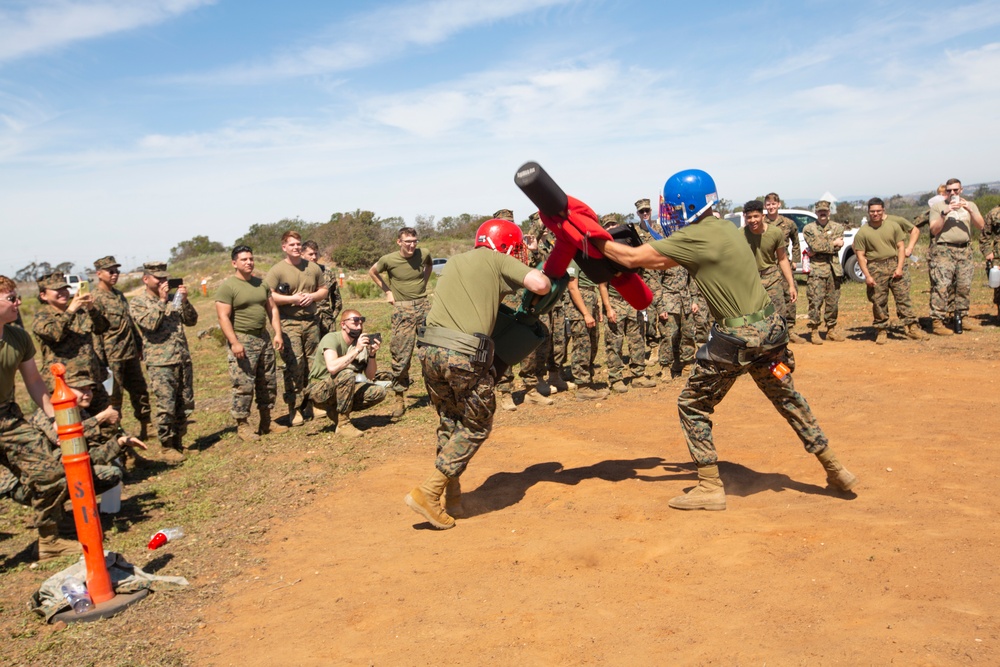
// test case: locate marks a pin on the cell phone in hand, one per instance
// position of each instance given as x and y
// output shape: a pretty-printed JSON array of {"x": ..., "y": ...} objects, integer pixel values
[
  {"x": 174, "y": 283},
  {"x": 372, "y": 337}
]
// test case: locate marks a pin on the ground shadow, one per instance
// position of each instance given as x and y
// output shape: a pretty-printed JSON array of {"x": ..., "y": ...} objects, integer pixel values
[
  {"x": 504, "y": 489},
  {"x": 158, "y": 563},
  {"x": 203, "y": 442},
  {"x": 25, "y": 556},
  {"x": 742, "y": 481}
]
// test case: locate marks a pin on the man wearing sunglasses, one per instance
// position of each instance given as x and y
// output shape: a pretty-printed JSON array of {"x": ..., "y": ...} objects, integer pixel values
[
  {"x": 44, "y": 479},
  {"x": 950, "y": 261},
  {"x": 405, "y": 286},
  {"x": 120, "y": 346},
  {"x": 342, "y": 375}
]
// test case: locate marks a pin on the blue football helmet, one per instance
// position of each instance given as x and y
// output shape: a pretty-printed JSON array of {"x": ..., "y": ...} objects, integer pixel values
[{"x": 686, "y": 196}]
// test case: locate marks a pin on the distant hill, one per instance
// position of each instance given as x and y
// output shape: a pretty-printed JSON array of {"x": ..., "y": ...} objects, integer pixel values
[{"x": 912, "y": 197}]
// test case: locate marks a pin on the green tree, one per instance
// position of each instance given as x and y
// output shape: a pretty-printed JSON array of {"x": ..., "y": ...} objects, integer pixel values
[
  {"x": 199, "y": 245},
  {"x": 266, "y": 237}
]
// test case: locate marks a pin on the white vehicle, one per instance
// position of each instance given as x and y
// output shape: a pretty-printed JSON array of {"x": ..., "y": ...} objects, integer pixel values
[
  {"x": 75, "y": 282},
  {"x": 801, "y": 218},
  {"x": 437, "y": 264}
]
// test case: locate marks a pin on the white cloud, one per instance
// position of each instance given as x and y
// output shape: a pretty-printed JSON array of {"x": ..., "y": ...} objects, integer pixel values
[
  {"x": 353, "y": 44},
  {"x": 41, "y": 25}
]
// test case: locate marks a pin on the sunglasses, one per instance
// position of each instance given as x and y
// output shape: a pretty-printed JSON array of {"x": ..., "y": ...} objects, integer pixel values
[
  {"x": 113, "y": 269},
  {"x": 355, "y": 320},
  {"x": 13, "y": 298},
  {"x": 953, "y": 189}
]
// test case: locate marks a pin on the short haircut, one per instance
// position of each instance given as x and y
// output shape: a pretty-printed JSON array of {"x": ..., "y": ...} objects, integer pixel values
[
  {"x": 952, "y": 181},
  {"x": 409, "y": 231},
  {"x": 772, "y": 196},
  {"x": 311, "y": 245},
  {"x": 7, "y": 285},
  {"x": 291, "y": 234},
  {"x": 753, "y": 205},
  {"x": 875, "y": 201},
  {"x": 239, "y": 250},
  {"x": 940, "y": 190},
  {"x": 347, "y": 314}
]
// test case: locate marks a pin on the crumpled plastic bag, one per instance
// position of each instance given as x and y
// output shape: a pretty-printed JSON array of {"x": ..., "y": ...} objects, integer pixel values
[{"x": 48, "y": 600}]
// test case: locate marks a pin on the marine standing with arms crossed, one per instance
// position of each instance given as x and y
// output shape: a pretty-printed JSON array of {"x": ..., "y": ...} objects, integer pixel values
[
  {"x": 405, "y": 285},
  {"x": 456, "y": 353},
  {"x": 748, "y": 335}
]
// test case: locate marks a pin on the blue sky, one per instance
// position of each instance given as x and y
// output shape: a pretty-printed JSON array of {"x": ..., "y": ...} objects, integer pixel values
[{"x": 127, "y": 126}]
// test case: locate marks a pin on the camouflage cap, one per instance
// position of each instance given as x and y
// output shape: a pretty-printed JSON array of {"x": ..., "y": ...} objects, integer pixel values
[
  {"x": 52, "y": 281},
  {"x": 822, "y": 206},
  {"x": 79, "y": 376},
  {"x": 609, "y": 220},
  {"x": 642, "y": 205},
  {"x": 106, "y": 262},
  {"x": 156, "y": 269},
  {"x": 534, "y": 217},
  {"x": 504, "y": 214}
]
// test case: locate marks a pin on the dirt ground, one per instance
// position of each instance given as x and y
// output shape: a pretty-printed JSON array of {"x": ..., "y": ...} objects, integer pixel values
[{"x": 570, "y": 554}]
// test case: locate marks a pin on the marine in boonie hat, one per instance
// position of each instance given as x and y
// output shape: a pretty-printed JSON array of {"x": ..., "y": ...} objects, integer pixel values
[
  {"x": 822, "y": 206},
  {"x": 504, "y": 214},
  {"x": 55, "y": 280},
  {"x": 155, "y": 269},
  {"x": 609, "y": 220},
  {"x": 534, "y": 217},
  {"x": 642, "y": 205},
  {"x": 106, "y": 263}
]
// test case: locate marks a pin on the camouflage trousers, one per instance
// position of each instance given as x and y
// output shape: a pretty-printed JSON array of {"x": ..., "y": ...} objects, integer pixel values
[
  {"x": 791, "y": 308},
  {"x": 950, "y": 272},
  {"x": 254, "y": 373},
  {"x": 128, "y": 376},
  {"x": 173, "y": 392},
  {"x": 301, "y": 338},
  {"x": 627, "y": 327},
  {"x": 648, "y": 320},
  {"x": 775, "y": 286},
  {"x": 406, "y": 317},
  {"x": 550, "y": 356},
  {"x": 881, "y": 271},
  {"x": 584, "y": 339},
  {"x": 39, "y": 479},
  {"x": 709, "y": 383},
  {"x": 342, "y": 394},
  {"x": 677, "y": 341},
  {"x": 824, "y": 294},
  {"x": 462, "y": 394}
]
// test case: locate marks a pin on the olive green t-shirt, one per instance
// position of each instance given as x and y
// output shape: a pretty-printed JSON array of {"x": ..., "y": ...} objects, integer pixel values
[
  {"x": 717, "y": 256},
  {"x": 469, "y": 290},
  {"x": 306, "y": 277},
  {"x": 879, "y": 243},
  {"x": 248, "y": 299},
  {"x": 405, "y": 275},
  {"x": 575, "y": 271},
  {"x": 903, "y": 223},
  {"x": 16, "y": 348},
  {"x": 334, "y": 341},
  {"x": 957, "y": 224},
  {"x": 765, "y": 246}
]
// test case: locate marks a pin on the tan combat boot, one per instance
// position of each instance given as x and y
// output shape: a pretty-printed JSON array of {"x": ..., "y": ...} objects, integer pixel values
[
  {"x": 834, "y": 334},
  {"x": 536, "y": 397},
  {"x": 507, "y": 402},
  {"x": 453, "y": 498},
  {"x": 266, "y": 426},
  {"x": 425, "y": 500},
  {"x": 814, "y": 337},
  {"x": 170, "y": 454},
  {"x": 50, "y": 545},
  {"x": 882, "y": 337},
  {"x": 619, "y": 386},
  {"x": 318, "y": 412},
  {"x": 708, "y": 495},
  {"x": 399, "y": 409},
  {"x": 643, "y": 382},
  {"x": 245, "y": 431},
  {"x": 557, "y": 382},
  {"x": 938, "y": 328},
  {"x": 346, "y": 429},
  {"x": 589, "y": 393},
  {"x": 795, "y": 338},
  {"x": 915, "y": 332},
  {"x": 837, "y": 475}
]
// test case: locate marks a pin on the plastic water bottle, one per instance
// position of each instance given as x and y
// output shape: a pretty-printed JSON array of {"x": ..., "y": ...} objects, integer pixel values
[
  {"x": 992, "y": 275},
  {"x": 165, "y": 535},
  {"x": 75, "y": 592},
  {"x": 806, "y": 262},
  {"x": 178, "y": 300}
]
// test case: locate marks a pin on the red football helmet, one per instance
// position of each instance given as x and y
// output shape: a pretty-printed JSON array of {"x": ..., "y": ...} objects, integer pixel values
[{"x": 503, "y": 236}]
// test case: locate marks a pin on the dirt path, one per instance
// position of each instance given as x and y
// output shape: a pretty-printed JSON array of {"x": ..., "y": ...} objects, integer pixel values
[{"x": 571, "y": 555}]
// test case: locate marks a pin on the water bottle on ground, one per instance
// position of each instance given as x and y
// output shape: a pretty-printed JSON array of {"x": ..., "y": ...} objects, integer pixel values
[
  {"x": 165, "y": 535},
  {"x": 75, "y": 592}
]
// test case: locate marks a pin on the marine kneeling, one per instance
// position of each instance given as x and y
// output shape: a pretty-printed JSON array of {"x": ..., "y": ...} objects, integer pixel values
[{"x": 342, "y": 376}]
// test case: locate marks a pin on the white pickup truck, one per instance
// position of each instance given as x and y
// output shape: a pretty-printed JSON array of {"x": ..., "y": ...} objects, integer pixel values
[{"x": 801, "y": 218}]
